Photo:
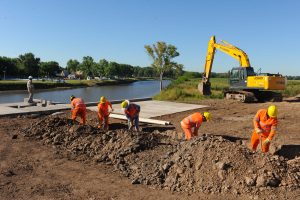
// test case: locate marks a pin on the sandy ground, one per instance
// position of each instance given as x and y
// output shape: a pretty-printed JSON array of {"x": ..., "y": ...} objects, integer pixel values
[{"x": 36, "y": 171}]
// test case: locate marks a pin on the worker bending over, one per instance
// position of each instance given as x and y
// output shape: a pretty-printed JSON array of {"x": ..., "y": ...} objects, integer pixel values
[
  {"x": 78, "y": 109},
  {"x": 104, "y": 112},
  {"x": 265, "y": 124},
  {"x": 132, "y": 112},
  {"x": 192, "y": 123}
]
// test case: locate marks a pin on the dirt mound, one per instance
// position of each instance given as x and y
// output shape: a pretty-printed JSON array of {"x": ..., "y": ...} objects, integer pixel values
[{"x": 208, "y": 164}]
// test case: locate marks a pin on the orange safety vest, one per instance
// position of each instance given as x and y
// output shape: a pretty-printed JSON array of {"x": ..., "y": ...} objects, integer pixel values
[
  {"x": 78, "y": 103},
  {"x": 193, "y": 120},
  {"x": 267, "y": 124},
  {"x": 103, "y": 108}
]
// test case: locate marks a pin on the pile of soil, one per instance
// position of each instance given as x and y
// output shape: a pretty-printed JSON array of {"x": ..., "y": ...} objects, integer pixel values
[{"x": 207, "y": 164}]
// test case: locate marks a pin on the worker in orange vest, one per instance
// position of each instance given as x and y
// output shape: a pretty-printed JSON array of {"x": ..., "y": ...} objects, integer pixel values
[
  {"x": 78, "y": 109},
  {"x": 104, "y": 112},
  {"x": 265, "y": 125},
  {"x": 132, "y": 112},
  {"x": 192, "y": 123}
]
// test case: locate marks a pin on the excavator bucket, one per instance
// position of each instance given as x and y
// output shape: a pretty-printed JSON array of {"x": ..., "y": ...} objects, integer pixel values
[{"x": 204, "y": 88}]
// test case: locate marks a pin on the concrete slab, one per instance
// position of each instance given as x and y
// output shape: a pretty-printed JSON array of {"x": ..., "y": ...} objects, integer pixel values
[
  {"x": 43, "y": 106},
  {"x": 9, "y": 111},
  {"x": 150, "y": 109}
]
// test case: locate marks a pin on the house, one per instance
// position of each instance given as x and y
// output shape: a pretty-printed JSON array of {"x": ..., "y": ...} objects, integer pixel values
[
  {"x": 63, "y": 74},
  {"x": 72, "y": 76}
]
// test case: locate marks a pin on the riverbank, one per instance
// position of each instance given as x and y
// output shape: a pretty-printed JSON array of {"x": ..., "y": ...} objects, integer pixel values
[
  {"x": 185, "y": 89},
  {"x": 41, "y": 85}
]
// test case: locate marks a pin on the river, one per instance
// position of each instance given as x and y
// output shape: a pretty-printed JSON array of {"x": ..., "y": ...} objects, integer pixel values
[{"x": 137, "y": 89}]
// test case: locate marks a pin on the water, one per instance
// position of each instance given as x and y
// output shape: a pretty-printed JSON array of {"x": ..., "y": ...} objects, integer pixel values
[{"x": 137, "y": 89}]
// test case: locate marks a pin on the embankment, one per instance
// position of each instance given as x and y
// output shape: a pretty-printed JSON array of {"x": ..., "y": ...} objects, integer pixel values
[{"x": 21, "y": 85}]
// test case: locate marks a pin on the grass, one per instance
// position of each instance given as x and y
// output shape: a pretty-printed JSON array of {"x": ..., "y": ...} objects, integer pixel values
[
  {"x": 185, "y": 89},
  {"x": 293, "y": 88}
]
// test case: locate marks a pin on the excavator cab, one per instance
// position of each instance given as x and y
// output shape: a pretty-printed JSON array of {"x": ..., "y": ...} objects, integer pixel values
[{"x": 238, "y": 77}]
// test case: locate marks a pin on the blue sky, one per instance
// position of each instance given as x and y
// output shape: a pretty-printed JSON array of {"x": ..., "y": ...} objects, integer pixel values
[{"x": 117, "y": 30}]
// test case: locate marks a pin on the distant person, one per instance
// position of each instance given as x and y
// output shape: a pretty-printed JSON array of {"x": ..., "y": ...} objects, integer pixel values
[
  {"x": 132, "y": 112},
  {"x": 78, "y": 109},
  {"x": 191, "y": 124},
  {"x": 104, "y": 112},
  {"x": 30, "y": 88},
  {"x": 265, "y": 125}
]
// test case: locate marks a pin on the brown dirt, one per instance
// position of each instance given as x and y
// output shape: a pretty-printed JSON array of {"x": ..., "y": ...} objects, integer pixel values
[{"x": 46, "y": 157}]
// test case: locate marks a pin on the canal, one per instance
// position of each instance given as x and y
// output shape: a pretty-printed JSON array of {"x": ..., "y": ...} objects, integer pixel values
[{"x": 137, "y": 89}]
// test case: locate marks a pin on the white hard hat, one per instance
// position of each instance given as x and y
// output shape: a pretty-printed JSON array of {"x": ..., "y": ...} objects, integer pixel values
[{"x": 30, "y": 77}]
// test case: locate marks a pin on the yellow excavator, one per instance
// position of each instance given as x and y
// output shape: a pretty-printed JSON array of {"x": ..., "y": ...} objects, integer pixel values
[{"x": 244, "y": 84}]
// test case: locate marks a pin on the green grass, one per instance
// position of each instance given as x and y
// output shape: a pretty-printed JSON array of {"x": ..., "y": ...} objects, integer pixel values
[
  {"x": 293, "y": 88},
  {"x": 185, "y": 89}
]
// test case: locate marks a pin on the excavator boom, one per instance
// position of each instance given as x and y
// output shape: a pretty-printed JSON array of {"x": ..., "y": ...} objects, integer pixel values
[{"x": 226, "y": 47}]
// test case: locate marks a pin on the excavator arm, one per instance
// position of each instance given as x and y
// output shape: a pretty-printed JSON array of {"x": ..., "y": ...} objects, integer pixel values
[{"x": 238, "y": 54}]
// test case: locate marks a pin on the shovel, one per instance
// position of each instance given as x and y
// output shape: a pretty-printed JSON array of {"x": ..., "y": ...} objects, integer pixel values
[{"x": 260, "y": 141}]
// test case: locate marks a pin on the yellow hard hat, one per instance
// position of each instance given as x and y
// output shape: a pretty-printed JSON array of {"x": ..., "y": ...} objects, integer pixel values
[
  {"x": 124, "y": 104},
  {"x": 72, "y": 97},
  {"x": 102, "y": 99},
  {"x": 207, "y": 116},
  {"x": 272, "y": 111}
]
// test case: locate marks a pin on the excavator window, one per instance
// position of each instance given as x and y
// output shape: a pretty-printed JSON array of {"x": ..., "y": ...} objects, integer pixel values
[{"x": 235, "y": 73}]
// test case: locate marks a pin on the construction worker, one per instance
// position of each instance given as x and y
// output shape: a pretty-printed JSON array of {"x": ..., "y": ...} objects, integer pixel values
[
  {"x": 78, "y": 108},
  {"x": 103, "y": 112},
  {"x": 132, "y": 112},
  {"x": 265, "y": 124},
  {"x": 30, "y": 88},
  {"x": 192, "y": 123}
]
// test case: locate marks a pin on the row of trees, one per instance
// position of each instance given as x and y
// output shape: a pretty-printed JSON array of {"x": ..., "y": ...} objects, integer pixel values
[
  {"x": 26, "y": 65},
  {"x": 104, "y": 68}
]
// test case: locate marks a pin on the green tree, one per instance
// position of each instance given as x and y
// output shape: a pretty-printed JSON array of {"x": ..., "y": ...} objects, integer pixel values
[
  {"x": 149, "y": 72},
  {"x": 125, "y": 70},
  {"x": 103, "y": 64},
  {"x": 88, "y": 66},
  {"x": 72, "y": 65},
  {"x": 162, "y": 55},
  {"x": 28, "y": 64},
  {"x": 49, "y": 68},
  {"x": 112, "y": 69},
  {"x": 8, "y": 66},
  {"x": 136, "y": 71}
]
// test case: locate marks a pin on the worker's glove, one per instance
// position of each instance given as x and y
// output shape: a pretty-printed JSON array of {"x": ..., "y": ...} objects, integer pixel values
[
  {"x": 112, "y": 110},
  {"x": 258, "y": 130},
  {"x": 267, "y": 141}
]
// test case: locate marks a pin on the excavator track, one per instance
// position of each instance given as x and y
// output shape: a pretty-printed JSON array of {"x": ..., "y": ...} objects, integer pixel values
[
  {"x": 271, "y": 96},
  {"x": 249, "y": 96},
  {"x": 240, "y": 95}
]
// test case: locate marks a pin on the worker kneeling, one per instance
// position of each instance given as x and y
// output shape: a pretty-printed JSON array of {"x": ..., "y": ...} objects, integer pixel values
[
  {"x": 265, "y": 124},
  {"x": 78, "y": 109},
  {"x": 132, "y": 112},
  {"x": 192, "y": 123},
  {"x": 104, "y": 112}
]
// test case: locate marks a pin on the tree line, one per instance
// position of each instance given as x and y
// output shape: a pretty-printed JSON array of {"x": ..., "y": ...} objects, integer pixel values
[
  {"x": 104, "y": 68},
  {"x": 29, "y": 65}
]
